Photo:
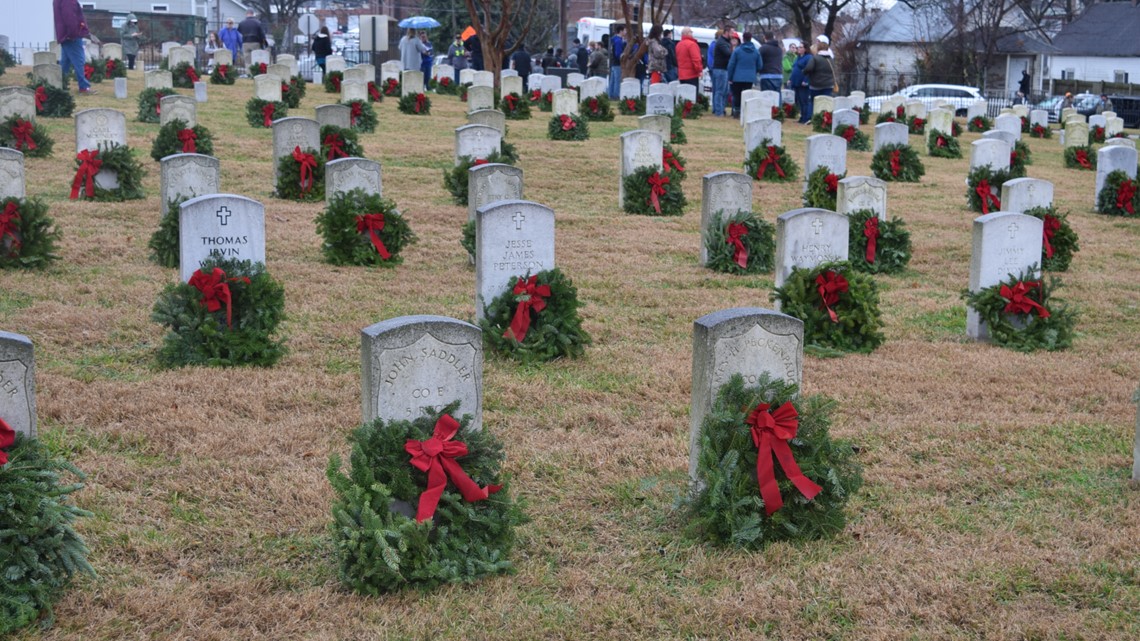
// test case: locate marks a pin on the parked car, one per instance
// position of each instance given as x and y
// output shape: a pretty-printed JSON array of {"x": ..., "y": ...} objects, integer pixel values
[
  {"x": 1084, "y": 103},
  {"x": 959, "y": 96}
]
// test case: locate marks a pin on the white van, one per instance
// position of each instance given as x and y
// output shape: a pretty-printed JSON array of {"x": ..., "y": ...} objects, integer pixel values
[{"x": 592, "y": 29}]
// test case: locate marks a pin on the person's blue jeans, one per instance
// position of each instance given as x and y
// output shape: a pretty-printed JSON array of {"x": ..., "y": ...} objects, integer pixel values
[
  {"x": 771, "y": 84},
  {"x": 720, "y": 91},
  {"x": 803, "y": 104},
  {"x": 71, "y": 57},
  {"x": 615, "y": 83},
  {"x": 812, "y": 93}
]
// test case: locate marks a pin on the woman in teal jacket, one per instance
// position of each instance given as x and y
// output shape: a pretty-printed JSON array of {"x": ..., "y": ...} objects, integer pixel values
[{"x": 742, "y": 69}]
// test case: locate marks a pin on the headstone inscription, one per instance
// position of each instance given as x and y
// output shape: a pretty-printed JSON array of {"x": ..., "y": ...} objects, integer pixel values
[
  {"x": 223, "y": 225},
  {"x": 808, "y": 237},
  {"x": 290, "y": 133},
  {"x": 99, "y": 126},
  {"x": 1022, "y": 194},
  {"x": 336, "y": 115},
  {"x": 161, "y": 79},
  {"x": 639, "y": 148},
  {"x": 12, "y": 183},
  {"x": 345, "y": 174},
  {"x": 18, "y": 383},
  {"x": 17, "y": 101},
  {"x": 891, "y": 133},
  {"x": 490, "y": 182},
  {"x": 862, "y": 192},
  {"x": 1004, "y": 243},
  {"x": 826, "y": 150},
  {"x": 757, "y": 131},
  {"x": 723, "y": 193},
  {"x": 476, "y": 141},
  {"x": 565, "y": 102},
  {"x": 187, "y": 176},
  {"x": 178, "y": 107},
  {"x": 513, "y": 238}
]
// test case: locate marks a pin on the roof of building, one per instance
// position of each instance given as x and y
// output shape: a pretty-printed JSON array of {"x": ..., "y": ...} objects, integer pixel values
[
  {"x": 1106, "y": 29},
  {"x": 905, "y": 24}
]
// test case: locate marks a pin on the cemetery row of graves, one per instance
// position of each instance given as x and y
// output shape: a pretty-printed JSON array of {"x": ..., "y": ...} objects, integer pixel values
[{"x": 326, "y": 373}]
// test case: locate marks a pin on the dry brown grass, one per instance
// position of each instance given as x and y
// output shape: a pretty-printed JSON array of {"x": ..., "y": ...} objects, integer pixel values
[{"x": 996, "y": 505}]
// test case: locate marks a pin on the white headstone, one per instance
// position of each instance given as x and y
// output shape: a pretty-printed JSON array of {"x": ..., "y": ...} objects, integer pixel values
[
  {"x": 121, "y": 88},
  {"x": 489, "y": 117},
  {"x": 223, "y": 57},
  {"x": 574, "y": 79},
  {"x": 222, "y": 225},
  {"x": 490, "y": 182},
  {"x": 480, "y": 97},
  {"x": 1039, "y": 117},
  {"x": 291, "y": 133},
  {"x": 757, "y": 131},
  {"x": 178, "y": 107},
  {"x": 511, "y": 85},
  {"x": 12, "y": 181},
  {"x": 188, "y": 176},
  {"x": 160, "y": 79},
  {"x": 1022, "y": 194},
  {"x": 629, "y": 88},
  {"x": 483, "y": 79},
  {"x": 336, "y": 115},
  {"x": 513, "y": 238},
  {"x": 639, "y": 148},
  {"x": 1001, "y": 134},
  {"x": 355, "y": 74},
  {"x": 1004, "y": 243},
  {"x": 345, "y": 174},
  {"x": 261, "y": 57},
  {"x": 50, "y": 74},
  {"x": 807, "y": 238},
  {"x": 353, "y": 90},
  {"x": 1112, "y": 158},
  {"x": 990, "y": 152},
  {"x": 550, "y": 84},
  {"x": 94, "y": 127},
  {"x": 17, "y": 101},
  {"x": 844, "y": 117},
  {"x": 44, "y": 58},
  {"x": 685, "y": 93},
  {"x": 565, "y": 102},
  {"x": 1076, "y": 134},
  {"x": 338, "y": 63},
  {"x": 723, "y": 193},
  {"x": 411, "y": 82},
  {"x": 476, "y": 141},
  {"x": 267, "y": 87},
  {"x": 18, "y": 383},
  {"x": 180, "y": 55},
  {"x": 891, "y": 133},
  {"x": 862, "y": 192},
  {"x": 1010, "y": 123},
  {"x": 112, "y": 51},
  {"x": 823, "y": 103},
  {"x": 941, "y": 120},
  {"x": 826, "y": 150},
  {"x": 662, "y": 125},
  {"x": 975, "y": 109},
  {"x": 393, "y": 69},
  {"x": 291, "y": 61}
]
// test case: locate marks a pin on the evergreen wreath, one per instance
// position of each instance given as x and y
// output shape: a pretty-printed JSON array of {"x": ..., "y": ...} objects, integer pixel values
[
  {"x": 94, "y": 70},
  {"x": 1060, "y": 242},
  {"x": 416, "y": 104},
  {"x": 390, "y": 87},
  {"x": 980, "y": 124},
  {"x": 184, "y": 75},
  {"x": 672, "y": 163},
  {"x": 150, "y": 104},
  {"x": 977, "y": 180},
  {"x": 916, "y": 126},
  {"x": 1119, "y": 196},
  {"x": 598, "y": 109},
  {"x": 117, "y": 159},
  {"x": 40, "y": 551},
  {"x": 223, "y": 75},
  {"x": 891, "y": 250},
  {"x": 299, "y": 84},
  {"x": 568, "y": 127},
  {"x": 332, "y": 81},
  {"x": 822, "y": 188},
  {"x": 508, "y": 151},
  {"x": 444, "y": 86},
  {"x": 542, "y": 307},
  {"x": 26, "y": 136},
  {"x": 1081, "y": 157},
  {"x": 1024, "y": 124},
  {"x": 632, "y": 106},
  {"x": 643, "y": 183},
  {"x": 740, "y": 237},
  {"x": 889, "y": 116},
  {"x": 845, "y": 316},
  {"x": 455, "y": 178},
  {"x": 1021, "y": 314},
  {"x": 941, "y": 145},
  {"x": 52, "y": 102},
  {"x": 240, "y": 333},
  {"x": 290, "y": 95},
  {"x": 705, "y": 105},
  {"x": 770, "y": 162},
  {"x": 291, "y": 170},
  {"x": 1096, "y": 134},
  {"x": 955, "y": 128},
  {"x": 864, "y": 114},
  {"x": 169, "y": 141},
  {"x": 338, "y": 142},
  {"x": 677, "y": 130},
  {"x": 546, "y": 101},
  {"x": 463, "y": 92},
  {"x": 691, "y": 111},
  {"x": 362, "y": 117},
  {"x": 1041, "y": 131},
  {"x": 467, "y": 239},
  {"x": 258, "y": 114},
  {"x": 821, "y": 122},
  {"x": 114, "y": 68},
  {"x": 1019, "y": 157},
  {"x": 164, "y": 243},
  {"x": 856, "y": 140},
  {"x": 258, "y": 69},
  {"x": 379, "y": 545},
  {"x": 725, "y": 506},
  {"x": 897, "y": 163},
  {"x": 374, "y": 93},
  {"x": 514, "y": 107},
  {"x": 354, "y": 222},
  {"x": 28, "y": 235}
]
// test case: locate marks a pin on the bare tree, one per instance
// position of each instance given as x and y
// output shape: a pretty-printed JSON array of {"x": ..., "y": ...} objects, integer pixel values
[
  {"x": 277, "y": 22},
  {"x": 493, "y": 21},
  {"x": 636, "y": 43}
]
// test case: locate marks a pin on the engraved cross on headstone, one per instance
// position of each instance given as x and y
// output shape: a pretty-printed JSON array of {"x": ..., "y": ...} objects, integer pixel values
[
  {"x": 518, "y": 218},
  {"x": 817, "y": 226},
  {"x": 224, "y": 215},
  {"x": 1012, "y": 229}
]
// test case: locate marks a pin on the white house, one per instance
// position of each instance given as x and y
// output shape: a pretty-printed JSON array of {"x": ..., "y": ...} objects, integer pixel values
[
  {"x": 205, "y": 8},
  {"x": 1102, "y": 45}
]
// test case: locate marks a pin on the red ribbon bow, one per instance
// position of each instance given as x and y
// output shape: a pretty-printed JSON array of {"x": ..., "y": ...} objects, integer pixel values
[
  {"x": 1124, "y": 196},
  {"x": 22, "y": 132},
  {"x": 670, "y": 161},
  {"x": 109, "y": 68},
  {"x": 285, "y": 89},
  {"x": 187, "y": 138},
  {"x": 336, "y": 83},
  {"x": 223, "y": 70},
  {"x": 848, "y": 133},
  {"x": 831, "y": 182},
  {"x": 446, "y": 82},
  {"x": 7, "y": 438},
  {"x": 373, "y": 92},
  {"x": 373, "y": 223},
  {"x": 261, "y": 67},
  {"x": 939, "y": 142},
  {"x": 548, "y": 96},
  {"x": 896, "y": 162},
  {"x": 987, "y": 195},
  {"x": 1051, "y": 226},
  {"x": 158, "y": 96},
  {"x": 89, "y": 165},
  {"x": 787, "y": 110},
  {"x": 308, "y": 164},
  {"x": 481, "y": 161},
  {"x": 771, "y": 432},
  {"x": 9, "y": 227},
  {"x": 775, "y": 113},
  {"x": 390, "y": 88},
  {"x": 536, "y": 95},
  {"x": 736, "y": 231},
  {"x": 978, "y": 122},
  {"x": 533, "y": 296},
  {"x": 1038, "y": 131},
  {"x": 1083, "y": 159},
  {"x": 41, "y": 98},
  {"x": 773, "y": 159},
  {"x": 511, "y": 101},
  {"x": 1019, "y": 300},
  {"x": 826, "y": 118},
  {"x": 631, "y": 104},
  {"x": 918, "y": 123},
  {"x": 267, "y": 114},
  {"x": 420, "y": 102},
  {"x": 567, "y": 122},
  {"x": 191, "y": 74},
  {"x": 871, "y": 231},
  {"x": 436, "y": 456},
  {"x": 88, "y": 71},
  {"x": 215, "y": 291},
  {"x": 593, "y": 105},
  {"x": 335, "y": 146},
  {"x": 357, "y": 109},
  {"x": 830, "y": 285},
  {"x": 657, "y": 184}
]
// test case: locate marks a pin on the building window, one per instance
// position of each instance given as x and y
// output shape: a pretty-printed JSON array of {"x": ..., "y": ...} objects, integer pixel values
[
  {"x": 160, "y": 8},
  {"x": 87, "y": 5}
]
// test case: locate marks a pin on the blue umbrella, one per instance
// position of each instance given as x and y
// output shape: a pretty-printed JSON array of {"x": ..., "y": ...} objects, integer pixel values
[{"x": 419, "y": 22}]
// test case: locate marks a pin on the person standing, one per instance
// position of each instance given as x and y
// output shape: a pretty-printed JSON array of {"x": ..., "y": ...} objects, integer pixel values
[
  {"x": 743, "y": 66},
  {"x": 820, "y": 72},
  {"x": 658, "y": 56},
  {"x": 1104, "y": 104},
  {"x": 599, "y": 64},
  {"x": 771, "y": 64},
  {"x": 231, "y": 38},
  {"x": 129, "y": 37},
  {"x": 425, "y": 57},
  {"x": 689, "y": 64},
  {"x": 70, "y": 30},
  {"x": 252, "y": 36},
  {"x": 670, "y": 62},
  {"x": 1025, "y": 85},
  {"x": 722, "y": 52},
  {"x": 410, "y": 51},
  {"x": 582, "y": 56},
  {"x": 457, "y": 57},
  {"x": 799, "y": 82},
  {"x": 475, "y": 48},
  {"x": 520, "y": 62},
  {"x": 322, "y": 48},
  {"x": 617, "y": 45},
  {"x": 790, "y": 59}
]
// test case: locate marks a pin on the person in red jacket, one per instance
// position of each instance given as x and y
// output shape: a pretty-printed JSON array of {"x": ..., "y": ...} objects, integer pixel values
[
  {"x": 689, "y": 59},
  {"x": 70, "y": 30}
]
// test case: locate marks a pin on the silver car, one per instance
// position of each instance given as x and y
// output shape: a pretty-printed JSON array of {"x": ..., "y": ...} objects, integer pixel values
[{"x": 958, "y": 96}]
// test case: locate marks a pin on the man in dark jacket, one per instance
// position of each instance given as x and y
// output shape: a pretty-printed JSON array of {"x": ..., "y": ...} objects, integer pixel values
[
  {"x": 722, "y": 51},
  {"x": 252, "y": 36},
  {"x": 520, "y": 59},
  {"x": 582, "y": 57},
  {"x": 70, "y": 30},
  {"x": 772, "y": 61},
  {"x": 670, "y": 45},
  {"x": 475, "y": 48}
]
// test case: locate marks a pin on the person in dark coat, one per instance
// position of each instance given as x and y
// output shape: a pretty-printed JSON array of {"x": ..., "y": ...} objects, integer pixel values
[
  {"x": 743, "y": 66},
  {"x": 799, "y": 81},
  {"x": 772, "y": 64},
  {"x": 475, "y": 48},
  {"x": 582, "y": 57},
  {"x": 252, "y": 36},
  {"x": 722, "y": 51},
  {"x": 670, "y": 45},
  {"x": 322, "y": 48},
  {"x": 520, "y": 60}
]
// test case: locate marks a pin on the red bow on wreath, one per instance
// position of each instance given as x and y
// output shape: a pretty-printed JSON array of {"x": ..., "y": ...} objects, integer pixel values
[
  {"x": 771, "y": 432},
  {"x": 531, "y": 295},
  {"x": 939, "y": 142},
  {"x": 987, "y": 195},
  {"x": 373, "y": 91},
  {"x": 593, "y": 104},
  {"x": 536, "y": 95},
  {"x": 373, "y": 223},
  {"x": 191, "y": 74},
  {"x": 335, "y": 83},
  {"x": 631, "y": 104},
  {"x": 848, "y": 133},
  {"x": 670, "y": 161},
  {"x": 88, "y": 71},
  {"x": 22, "y": 132},
  {"x": 308, "y": 164},
  {"x": 109, "y": 68},
  {"x": 1012, "y": 158},
  {"x": 158, "y": 96},
  {"x": 335, "y": 146},
  {"x": 871, "y": 231},
  {"x": 896, "y": 162},
  {"x": 1050, "y": 228},
  {"x": 773, "y": 159},
  {"x": 481, "y": 161},
  {"x": 89, "y": 165},
  {"x": 1125, "y": 193},
  {"x": 436, "y": 456},
  {"x": 567, "y": 122},
  {"x": 391, "y": 86},
  {"x": 511, "y": 101},
  {"x": 831, "y": 182},
  {"x": 267, "y": 114},
  {"x": 7, "y": 438},
  {"x": 788, "y": 110},
  {"x": 1038, "y": 131},
  {"x": 657, "y": 184},
  {"x": 900, "y": 111},
  {"x": 686, "y": 108},
  {"x": 918, "y": 123},
  {"x": 548, "y": 96},
  {"x": 215, "y": 291},
  {"x": 187, "y": 138},
  {"x": 826, "y": 118},
  {"x": 357, "y": 109},
  {"x": 446, "y": 82},
  {"x": 1019, "y": 300},
  {"x": 223, "y": 70},
  {"x": 420, "y": 102},
  {"x": 830, "y": 285},
  {"x": 737, "y": 231},
  {"x": 41, "y": 98},
  {"x": 9, "y": 227},
  {"x": 285, "y": 89},
  {"x": 1083, "y": 159}
]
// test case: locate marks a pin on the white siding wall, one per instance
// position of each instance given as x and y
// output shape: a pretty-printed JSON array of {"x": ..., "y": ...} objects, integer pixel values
[{"x": 1093, "y": 69}]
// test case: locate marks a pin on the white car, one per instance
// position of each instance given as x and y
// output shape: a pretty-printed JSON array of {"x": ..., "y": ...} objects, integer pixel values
[{"x": 959, "y": 96}]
